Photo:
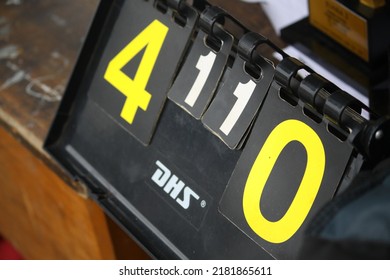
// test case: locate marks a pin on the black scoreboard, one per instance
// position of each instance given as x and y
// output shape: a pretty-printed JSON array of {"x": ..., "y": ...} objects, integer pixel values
[{"x": 195, "y": 143}]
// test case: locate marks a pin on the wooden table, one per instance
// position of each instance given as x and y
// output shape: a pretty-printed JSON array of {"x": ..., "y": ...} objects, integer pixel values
[{"x": 43, "y": 213}]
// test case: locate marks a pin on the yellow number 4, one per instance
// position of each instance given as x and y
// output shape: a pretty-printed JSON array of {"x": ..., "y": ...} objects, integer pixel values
[{"x": 152, "y": 39}]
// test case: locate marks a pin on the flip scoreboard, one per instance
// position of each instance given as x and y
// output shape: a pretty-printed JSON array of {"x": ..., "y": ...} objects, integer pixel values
[{"x": 195, "y": 143}]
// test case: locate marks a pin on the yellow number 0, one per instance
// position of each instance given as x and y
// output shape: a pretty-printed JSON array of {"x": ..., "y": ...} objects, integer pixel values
[
  {"x": 151, "y": 38},
  {"x": 283, "y": 229}
]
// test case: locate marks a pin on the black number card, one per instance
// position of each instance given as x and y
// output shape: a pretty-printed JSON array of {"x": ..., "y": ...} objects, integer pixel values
[
  {"x": 289, "y": 168},
  {"x": 239, "y": 98},
  {"x": 138, "y": 64},
  {"x": 201, "y": 72}
]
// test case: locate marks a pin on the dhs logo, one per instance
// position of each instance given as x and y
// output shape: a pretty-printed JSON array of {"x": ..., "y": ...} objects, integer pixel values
[{"x": 177, "y": 190}]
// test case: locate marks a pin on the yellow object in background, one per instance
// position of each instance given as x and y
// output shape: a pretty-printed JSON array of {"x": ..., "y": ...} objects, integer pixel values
[
  {"x": 373, "y": 3},
  {"x": 342, "y": 24}
]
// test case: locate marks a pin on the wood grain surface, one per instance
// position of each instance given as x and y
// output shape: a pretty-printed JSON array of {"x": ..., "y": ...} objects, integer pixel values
[
  {"x": 39, "y": 43},
  {"x": 41, "y": 215}
]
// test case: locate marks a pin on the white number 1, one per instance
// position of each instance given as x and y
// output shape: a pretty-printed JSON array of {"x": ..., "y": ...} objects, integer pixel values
[
  {"x": 204, "y": 65},
  {"x": 243, "y": 92}
]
